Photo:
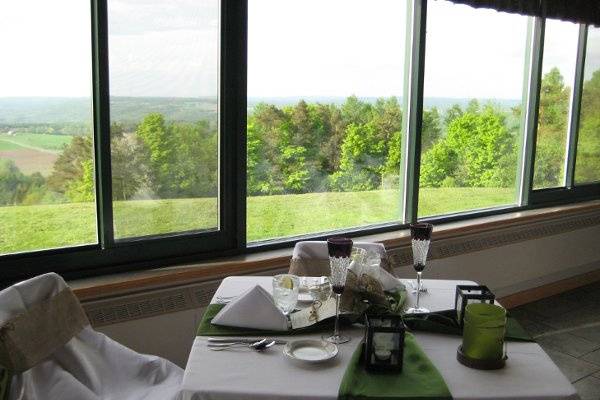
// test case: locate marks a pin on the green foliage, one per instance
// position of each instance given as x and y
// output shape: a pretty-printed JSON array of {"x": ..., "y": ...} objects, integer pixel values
[
  {"x": 478, "y": 150},
  {"x": 362, "y": 160},
  {"x": 552, "y": 130},
  {"x": 178, "y": 159},
  {"x": 82, "y": 189},
  {"x": 431, "y": 131},
  {"x": 18, "y": 188},
  {"x": 480, "y": 140},
  {"x": 438, "y": 166},
  {"x": 319, "y": 147},
  {"x": 69, "y": 167},
  {"x": 588, "y": 147},
  {"x": 452, "y": 113}
]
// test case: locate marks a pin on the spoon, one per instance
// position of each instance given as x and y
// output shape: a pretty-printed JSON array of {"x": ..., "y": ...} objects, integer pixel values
[{"x": 258, "y": 346}]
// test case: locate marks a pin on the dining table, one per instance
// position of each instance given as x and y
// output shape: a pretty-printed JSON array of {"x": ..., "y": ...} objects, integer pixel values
[{"x": 529, "y": 372}]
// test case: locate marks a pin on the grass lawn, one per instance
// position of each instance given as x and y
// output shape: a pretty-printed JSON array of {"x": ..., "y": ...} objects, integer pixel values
[{"x": 24, "y": 228}]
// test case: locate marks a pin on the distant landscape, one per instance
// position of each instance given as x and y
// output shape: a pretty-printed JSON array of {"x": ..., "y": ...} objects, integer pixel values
[{"x": 314, "y": 164}]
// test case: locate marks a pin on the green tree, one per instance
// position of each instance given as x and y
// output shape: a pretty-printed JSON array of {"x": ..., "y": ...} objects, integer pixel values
[
  {"x": 438, "y": 166},
  {"x": 431, "y": 131},
  {"x": 82, "y": 188},
  {"x": 18, "y": 188},
  {"x": 480, "y": 140},
  {"x": 69, "y": 166},
  {"x": 362, "y": 161},
  {"x": 552, "y": 129},
  {"x": 154, "y": 135},
  {"x": 130, "y": 171},
  {"x": 588, "y": 146},
  {"x": 452, "y": 113}
]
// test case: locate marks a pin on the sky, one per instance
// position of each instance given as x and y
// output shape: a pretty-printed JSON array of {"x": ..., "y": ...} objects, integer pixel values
[{"x": 296, "y": 48}]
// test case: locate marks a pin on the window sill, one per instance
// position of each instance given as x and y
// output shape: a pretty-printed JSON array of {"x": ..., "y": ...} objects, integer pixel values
[{"x": 134, "y": 282}]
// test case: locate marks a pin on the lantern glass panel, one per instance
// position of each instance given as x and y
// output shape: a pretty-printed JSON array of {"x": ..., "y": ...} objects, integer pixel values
[
  {"x": 384, "y": 343},
  {"x": 468, "y": 294}
]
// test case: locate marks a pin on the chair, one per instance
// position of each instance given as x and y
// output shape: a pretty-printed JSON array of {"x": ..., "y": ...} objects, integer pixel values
[
  {"x": 54, "y": 353},
  {"x": 311, "y": 258}
]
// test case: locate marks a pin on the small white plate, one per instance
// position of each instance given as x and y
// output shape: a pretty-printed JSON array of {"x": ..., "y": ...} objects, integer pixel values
[{"x": 313, "y": 351}]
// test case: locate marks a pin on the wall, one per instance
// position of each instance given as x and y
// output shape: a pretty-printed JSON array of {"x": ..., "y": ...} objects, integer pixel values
[{"x": 506, "y": 270}]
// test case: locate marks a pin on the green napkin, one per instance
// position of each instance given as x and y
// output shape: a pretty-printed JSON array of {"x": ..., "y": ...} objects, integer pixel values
[
  {"x": 418, "y": 380},
  {"x": 446, "y": 322},
  {"x": 206, "y": 328},
  {"x": 5, "y": 380}
]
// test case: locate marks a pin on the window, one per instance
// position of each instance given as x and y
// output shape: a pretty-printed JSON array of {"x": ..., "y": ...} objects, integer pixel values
[
  {"x": 146, "y": 133},
  {"x": 46, "y": 156},
  {"x": 164, "y": 94},
  {"x": 560, "y": 55},
  {"x": 587, "y": 167},
  {"x": 472, "y": 106},
  {"x": 324, "y": 115}
]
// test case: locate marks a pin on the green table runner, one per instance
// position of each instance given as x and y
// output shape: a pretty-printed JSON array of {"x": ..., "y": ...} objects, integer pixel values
[
  {"x": 445, "y": 322},
  {"x": 419, "y": 378}
]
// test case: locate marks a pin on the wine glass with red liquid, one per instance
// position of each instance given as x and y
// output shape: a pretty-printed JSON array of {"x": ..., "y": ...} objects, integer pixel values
[
  {"x": 340, "y": 251},
  {"x": 420, "y": 234}
]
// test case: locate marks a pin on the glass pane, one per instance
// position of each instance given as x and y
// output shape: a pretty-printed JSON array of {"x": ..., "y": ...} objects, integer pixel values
[
  {"x": 324, "y": 115},
  {"x": 587, "y": 164},
  {"x": 560, "y": 56},
  {"x": 46, "y": 158},
  {"x": 475, "y": 60},
  {"x": 164, "y": 69}
]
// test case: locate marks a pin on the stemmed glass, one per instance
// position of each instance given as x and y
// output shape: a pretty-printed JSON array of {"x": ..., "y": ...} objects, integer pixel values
[
  {"x": 420, "y": 234},
  {"x": 340, "y": 250}
]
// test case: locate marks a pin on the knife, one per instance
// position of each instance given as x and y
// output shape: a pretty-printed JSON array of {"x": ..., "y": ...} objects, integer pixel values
[{"x": 242, "y": 340}]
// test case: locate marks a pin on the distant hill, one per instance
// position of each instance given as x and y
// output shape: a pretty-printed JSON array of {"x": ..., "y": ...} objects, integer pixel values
[
  {"x": 53, "y": 110},
  {"x": 442, "y": 103}
]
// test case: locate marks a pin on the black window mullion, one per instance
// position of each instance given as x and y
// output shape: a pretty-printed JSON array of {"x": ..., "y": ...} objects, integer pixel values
[
  {"x": 101, "y": 113},
  {"x": 531, "y": 112},
  {"x": 575, "y": 108},
  {"x": 232, "y": 117},
  {"x": 413, "y": 109}
]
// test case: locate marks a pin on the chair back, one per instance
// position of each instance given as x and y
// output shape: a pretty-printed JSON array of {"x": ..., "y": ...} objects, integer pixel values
[
  {"x": 50, "y": 351},
  {"x": 311, "y": 258}
]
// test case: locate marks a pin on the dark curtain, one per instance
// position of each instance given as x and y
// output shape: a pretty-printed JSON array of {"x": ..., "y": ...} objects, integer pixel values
[{"x": 581, "y": 11}]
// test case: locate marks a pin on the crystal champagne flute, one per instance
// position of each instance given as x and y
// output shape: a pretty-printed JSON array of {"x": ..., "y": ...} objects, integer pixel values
[
  {"x": 340, "y": 250},
  {"x": 420, "y": 234}
]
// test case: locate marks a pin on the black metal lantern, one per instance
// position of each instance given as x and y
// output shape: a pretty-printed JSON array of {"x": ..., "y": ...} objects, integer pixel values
[
  {"x": 384, "y": 343},
  {"x": 466, "y": 294}
]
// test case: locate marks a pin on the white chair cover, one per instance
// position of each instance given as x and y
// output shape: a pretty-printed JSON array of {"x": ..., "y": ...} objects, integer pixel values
[
  {"x": 311, "y": 258},
  {"x": 90, "y": 366},
  {"x": 317, "y": 249}
]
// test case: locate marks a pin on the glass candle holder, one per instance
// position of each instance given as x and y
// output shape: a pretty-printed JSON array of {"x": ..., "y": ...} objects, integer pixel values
[{"x": 483, "y": 332}]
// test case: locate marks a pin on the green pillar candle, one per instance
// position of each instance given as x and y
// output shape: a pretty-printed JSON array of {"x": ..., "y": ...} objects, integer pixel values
[{"x": 483, "y": 333}]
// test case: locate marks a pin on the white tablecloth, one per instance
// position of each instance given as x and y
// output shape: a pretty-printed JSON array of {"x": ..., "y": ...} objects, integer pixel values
[{"x": 232, "y": 375}]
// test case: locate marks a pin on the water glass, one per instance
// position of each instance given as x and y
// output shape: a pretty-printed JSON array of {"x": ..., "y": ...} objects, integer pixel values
[
  {"x": 285, "y": 292},
  {"x": 319, "y": 289}
]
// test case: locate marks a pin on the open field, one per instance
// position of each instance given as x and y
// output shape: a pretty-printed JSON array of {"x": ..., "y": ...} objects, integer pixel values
[
  {"x": 25, "y": 228},
  {"x": 37, "y": 141},
  {"x": 33, "y": 152},
  {"x": 30, "y": 161}
]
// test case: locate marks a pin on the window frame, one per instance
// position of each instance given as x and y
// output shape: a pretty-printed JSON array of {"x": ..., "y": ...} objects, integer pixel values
[{"x": 112, "y": 256}]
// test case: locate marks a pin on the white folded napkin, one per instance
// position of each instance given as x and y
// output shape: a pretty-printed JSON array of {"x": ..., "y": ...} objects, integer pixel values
[
  {"x": 253, "y": 309},
  {"x": 389, "y": 282},
  {"x": 373, "y": 268}
]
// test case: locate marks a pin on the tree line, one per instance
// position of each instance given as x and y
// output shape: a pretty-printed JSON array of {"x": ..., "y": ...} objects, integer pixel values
[{"x": 304, "y": 148}]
